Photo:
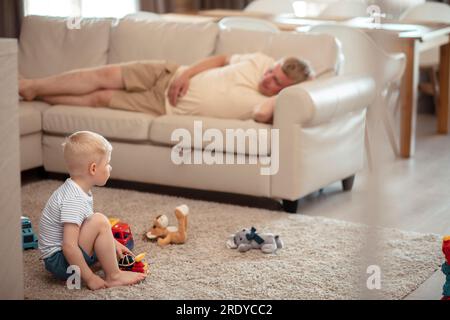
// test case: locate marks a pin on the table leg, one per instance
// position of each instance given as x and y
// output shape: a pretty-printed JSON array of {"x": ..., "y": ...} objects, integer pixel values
[
  {"x": 444, "y": 88},
  {"x": 408, "y": 111}
]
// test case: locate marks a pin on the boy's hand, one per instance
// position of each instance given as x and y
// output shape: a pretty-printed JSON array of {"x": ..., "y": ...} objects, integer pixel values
[
  {"x": 121, "y": 250},
  {"x": 96, "y": 283}
]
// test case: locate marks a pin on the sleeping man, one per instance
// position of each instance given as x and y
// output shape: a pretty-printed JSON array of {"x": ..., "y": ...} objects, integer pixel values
[{"x": 240, "y": 86}]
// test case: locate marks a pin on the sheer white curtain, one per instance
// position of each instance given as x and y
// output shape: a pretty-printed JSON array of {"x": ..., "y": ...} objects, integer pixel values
[
  {"x": 83, "y": 8},
  {"x": 312, "y": 8},
  {"x": 301, "y": 8}
]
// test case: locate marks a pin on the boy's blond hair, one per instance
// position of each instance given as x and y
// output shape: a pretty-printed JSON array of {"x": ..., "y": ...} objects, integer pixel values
[
  {"x": 83, "y": 148},
  {"x": 296, "y": 69}
]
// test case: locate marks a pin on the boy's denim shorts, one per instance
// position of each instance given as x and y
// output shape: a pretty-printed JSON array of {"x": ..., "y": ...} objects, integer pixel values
[{"x": 57, "y": 264}]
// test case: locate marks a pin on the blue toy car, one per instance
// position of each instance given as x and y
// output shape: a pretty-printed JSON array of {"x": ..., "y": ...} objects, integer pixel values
[{"x": 29, "y": 239}]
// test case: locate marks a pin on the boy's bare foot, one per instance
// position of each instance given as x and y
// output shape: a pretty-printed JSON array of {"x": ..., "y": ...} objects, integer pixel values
[
  {"x": 96, "y": 283},
  {"x": 124, "y": 278},
  {"x": 26, "y": 89}
]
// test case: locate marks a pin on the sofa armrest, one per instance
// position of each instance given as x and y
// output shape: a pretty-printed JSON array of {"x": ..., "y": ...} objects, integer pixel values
[
  {"x": 320, "y": 122},
  {"x": 314, "y": 102}
]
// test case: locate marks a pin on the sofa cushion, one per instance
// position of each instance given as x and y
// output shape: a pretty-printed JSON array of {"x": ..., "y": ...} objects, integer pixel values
[
  {"x": 321, "y": 50},
  {"x": 113, "y": 124},
  {"x": 49, "y": 46},
  {"x": 163, "y": 127},
  {"x": 183, "y": 43},
  {"x": 231, "y": 41},
  {"x": 30, "y": 116}
]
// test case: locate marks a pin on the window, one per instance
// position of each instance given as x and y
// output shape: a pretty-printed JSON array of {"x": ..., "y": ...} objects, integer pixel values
[
  {"x": 309, "y": 8},
  {"x": 84, "y": 8}
]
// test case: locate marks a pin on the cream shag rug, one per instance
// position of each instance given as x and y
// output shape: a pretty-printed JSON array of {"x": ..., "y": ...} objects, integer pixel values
[{"x": 321, "y": 259}]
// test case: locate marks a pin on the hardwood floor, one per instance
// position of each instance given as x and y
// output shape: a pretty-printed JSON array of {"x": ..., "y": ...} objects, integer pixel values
[{"x": 414, "y": 193}]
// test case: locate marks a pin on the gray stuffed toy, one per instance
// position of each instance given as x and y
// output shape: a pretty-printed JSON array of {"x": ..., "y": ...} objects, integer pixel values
[{"x": 247, "y": 239}]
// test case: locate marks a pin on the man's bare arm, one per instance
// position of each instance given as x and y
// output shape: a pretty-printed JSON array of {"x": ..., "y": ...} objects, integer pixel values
[
  {"x": 180, "y": 85},
  {"x": 264, "y": 112}
]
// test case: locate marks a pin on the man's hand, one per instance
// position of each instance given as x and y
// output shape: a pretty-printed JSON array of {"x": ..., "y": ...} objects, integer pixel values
[
  {"x": 121, "y": 250},
  {"x": 96, "y": 283},
  {"x": 264, "y": 112},
  {"x": 180, "y": 85},
  {"x": 178, "y": 89}
]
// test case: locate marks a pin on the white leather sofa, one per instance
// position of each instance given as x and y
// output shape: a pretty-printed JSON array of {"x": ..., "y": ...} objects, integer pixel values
[{"x": 321, "y": 122}]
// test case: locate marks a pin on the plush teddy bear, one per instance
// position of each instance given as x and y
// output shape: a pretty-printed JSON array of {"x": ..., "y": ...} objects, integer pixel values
[
  {"x": 165, "y": 234},
  {"x": 247, "y": 239}
]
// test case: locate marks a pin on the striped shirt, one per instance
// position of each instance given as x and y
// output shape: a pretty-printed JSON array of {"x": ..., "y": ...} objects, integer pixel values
[{"x": 68, "y": 204}]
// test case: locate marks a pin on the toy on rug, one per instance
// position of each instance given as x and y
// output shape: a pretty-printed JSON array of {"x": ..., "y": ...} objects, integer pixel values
[
  {"x": 29, "y": 238},
  {"x": 446, "y": 268},
  {"x": 122, "y": 232},
  {"x": 247, "y": 239},
  {"x": 134, "y": 264},
  {"x": 165, "y": 234}
]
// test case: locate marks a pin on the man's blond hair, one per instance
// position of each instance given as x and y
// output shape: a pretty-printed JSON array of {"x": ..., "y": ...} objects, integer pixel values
[
  {"x": 83, "y": 148},
  {"x": 296, "y": 69}
]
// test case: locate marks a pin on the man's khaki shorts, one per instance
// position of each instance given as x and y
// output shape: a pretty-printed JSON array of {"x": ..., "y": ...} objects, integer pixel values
[{"x": 145, "y": 86}]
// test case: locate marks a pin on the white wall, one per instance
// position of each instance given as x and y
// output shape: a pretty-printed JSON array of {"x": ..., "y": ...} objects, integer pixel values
[{"x": 11, "y": 268}]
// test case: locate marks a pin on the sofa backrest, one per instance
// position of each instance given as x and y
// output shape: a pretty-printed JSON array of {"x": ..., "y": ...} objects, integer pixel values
[
  {"x": 48, "y": 46},
  {"x": 321, "y": 50},
  {"x": 183, "y": 43},
  {"x": 53, "y": 45}
]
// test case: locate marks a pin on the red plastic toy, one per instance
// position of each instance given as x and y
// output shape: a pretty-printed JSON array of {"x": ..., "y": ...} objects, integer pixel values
[
  {"x": 446, "y": 268},
  {"x": 122, "y": 232},
  {"x": 446, "y": 248},
  {"x": 134, "y": 264}
]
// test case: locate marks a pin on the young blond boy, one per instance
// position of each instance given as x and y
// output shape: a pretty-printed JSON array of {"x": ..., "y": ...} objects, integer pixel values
[{"x": 70, "y": 232}]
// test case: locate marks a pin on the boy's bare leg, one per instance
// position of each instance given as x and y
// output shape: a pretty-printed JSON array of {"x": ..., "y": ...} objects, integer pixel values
[
  {"x": 76, "y": 82},
  {"x": 96, "y": 235},
  {"x": 99, "y": 98}
]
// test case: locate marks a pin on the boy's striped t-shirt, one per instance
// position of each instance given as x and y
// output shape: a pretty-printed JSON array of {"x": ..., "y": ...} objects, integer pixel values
[{"x": 68, "y": 204}]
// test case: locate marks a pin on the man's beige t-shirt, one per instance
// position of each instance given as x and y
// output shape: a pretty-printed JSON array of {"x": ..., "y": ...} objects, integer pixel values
[{"x": 229, "y": 92}]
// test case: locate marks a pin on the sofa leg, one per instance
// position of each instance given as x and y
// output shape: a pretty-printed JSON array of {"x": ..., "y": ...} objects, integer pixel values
[
  {"x": 347, "y": 184},
  {"x": 290, "y": 206}
]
